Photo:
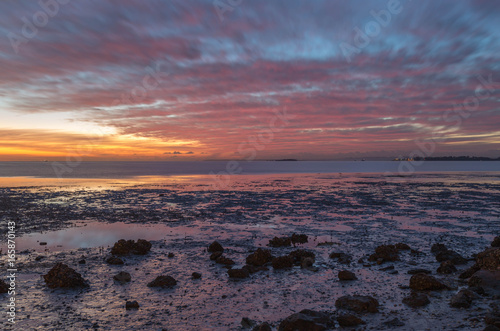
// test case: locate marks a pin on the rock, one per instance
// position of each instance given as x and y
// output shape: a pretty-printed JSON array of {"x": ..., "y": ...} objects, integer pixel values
[
  {"x": 215, "y": 247},
  {"x": 496, "y": 242},
  {"x": 391, "y": 267},
  {"x": 384, "y": 253},
  {"x": 299, "y": 238},
  {"x": 63, "y": 276},
  {"x": 122, "y": 277},
  {"x": 163, "y": 282},
  {"x": 491, "y": 328},
  {"x": 418, "y": 271},
  {"x": 259, "y": 257},
  {"x": 415, "y": 300},
  {"x": 306, "y": 320},
  {"x": 469, "y": 272},
  {"x": 39, "y": 257},
  {"x": 4, "y": 288},
  {"x": 402, "y": 247},
  {"x": 282, "y": 262},
  {"x": 347, "y": 320},
  {"x": 131, "y": 305},
  {"x": 438, "y": 248},
  {"x": 125, "y": 247},
  {"x": 215, "y": 255},
  {"x": 446, "y": 267},
  {"x": 423, "y": 282},
  {"x": 224, "y": 260},
  {"x": 280, "y": 242},
  {"x": 253, "y": 269},
  {"x": 493, "y": 318},
  {"x": 307, "y": 262},
  {"x": 299, "y": 255},
  {"x": 238, "y": 273},
  {"x": 196, "y": 275},
  {"x": 43, "y": 243},
  {"x": 488, "y": 280},
  {"x": 114, "y": 260},
  {"x": 347, "y": 275},
  {"x": 82, "y": 261},
  {"x": 263, "y": 327},
  {"x": 462, "y": 299},
  {"x": 489, "y": 259},
  {"x": 170, "y": 255},
  {"x": 395, "y": 322},
  {"x": 357, "y": 303},
  {"x": 342, "y": 257},
  {"x": 451, "y": 256}
]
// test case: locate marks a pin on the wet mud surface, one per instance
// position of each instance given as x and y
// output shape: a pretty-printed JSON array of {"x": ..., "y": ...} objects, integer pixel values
[{"x": 351, "y": 214}]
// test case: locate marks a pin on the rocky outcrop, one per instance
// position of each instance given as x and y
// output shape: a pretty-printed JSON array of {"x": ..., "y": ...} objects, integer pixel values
[
  {"x": 384, "y": 253},
  {"x": 346, "y": 275},
  {"x": 307, "y": 320},
  {"x": 424, "y": 282},
  {"x": 215, "y": 247},
  {"x": 357, "y": 303},
  {"x": 125, "y": 247},
  {"x": 63, "y": 276},
  {"x": 416, "y": 299},
  {"x": 282, "y": 262},
  {"x": 259, "y": 257},
  {"x": 163, "y": 282}
]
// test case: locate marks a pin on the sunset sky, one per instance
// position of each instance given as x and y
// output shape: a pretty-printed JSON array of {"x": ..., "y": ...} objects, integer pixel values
[{"x": 197, "y": 80}]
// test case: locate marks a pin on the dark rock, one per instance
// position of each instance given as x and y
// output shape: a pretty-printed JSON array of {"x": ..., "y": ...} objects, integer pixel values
[
  {"x": 307, "y": 262},
  {"x": 125, "y": 247},
  {"x": 452, "y": 256},
  {"x": 131, "y": 305},
  {"x": 469, "y": 272},
  {"x": 391, "y": 267},
  {"x": 253, "y": 269},
  {"x": 122, "y": 277},
  {"x": 263, "y": 327},
  {"x": 418, "y": 271},
  {"x": 247, "y": 323},
  {"x": 347, "y": 320},
  {"x": 415, "y": 300},
  {"x": 82, "y": 261},
  {"x": 488, "y": 280},
  {"x": 462, "y": 299},
  {"x": 282, "y": 262},
  {"x": 280, "y": 242},
  {"x": 299, "y": 238},
  {"x": 63, "y": 276},
  {"x": 259, "y": 257},
  {"x": 438, "y": 248},
  {"x": 39, "y": 257},
  {"x": 402, "y": 247},
  {"x": 423, "y": 282},
  {"x": 4, "y": 288},
  {"x": 224, "y": 260},
  {"x": 215, "y": 255},
  {"x": 446, "y": 267},
  {"x": 478, "y": 289},
  {"x": 43, "y": 243},
  {"x": 306, "y": 320},
  {"x": 196, "y": 275},
  {"x": 299, "y": 255},
  {"x": 342, "y": 257},
  {"x": 384, "y": 253},
  {"x": 347, "y": 275},
  {"x": 491, "y": 328},
  {"x": 493, "y": 318},
  {"x": 496, "y": 242},
  {"x": 238, "y": 273},
  {"x": 395, "y": 322},
  {"x": 215, "y": 247},
  {"x": 114, "y": 260},
  {"x": 170, "y": 255},
  {"x": 489, "y": 259},
  {"x": 357, "y": 303},
  {"x": 163, "y": 282}
]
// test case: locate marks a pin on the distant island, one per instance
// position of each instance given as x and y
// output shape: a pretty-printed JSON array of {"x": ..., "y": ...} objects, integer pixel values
[
  {"x": 286, "y": 160},
  {"x": 449, "y": 158}
]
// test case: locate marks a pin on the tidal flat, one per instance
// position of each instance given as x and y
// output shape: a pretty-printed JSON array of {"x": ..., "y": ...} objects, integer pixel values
[{"x": 77, "y": 223}]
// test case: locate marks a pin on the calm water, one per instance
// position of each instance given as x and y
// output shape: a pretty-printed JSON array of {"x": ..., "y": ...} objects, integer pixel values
[{"x": 132, "y": 169}]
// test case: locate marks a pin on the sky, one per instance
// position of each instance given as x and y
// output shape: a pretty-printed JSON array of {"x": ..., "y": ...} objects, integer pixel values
[{"x": 248, "y": 79}]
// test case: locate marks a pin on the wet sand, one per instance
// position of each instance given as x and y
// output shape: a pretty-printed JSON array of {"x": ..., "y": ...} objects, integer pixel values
[{"x": 344, "y": 213}]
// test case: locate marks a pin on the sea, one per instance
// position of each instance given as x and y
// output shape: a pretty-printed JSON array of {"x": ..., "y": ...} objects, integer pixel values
[{"x": 125, "y": 169}]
